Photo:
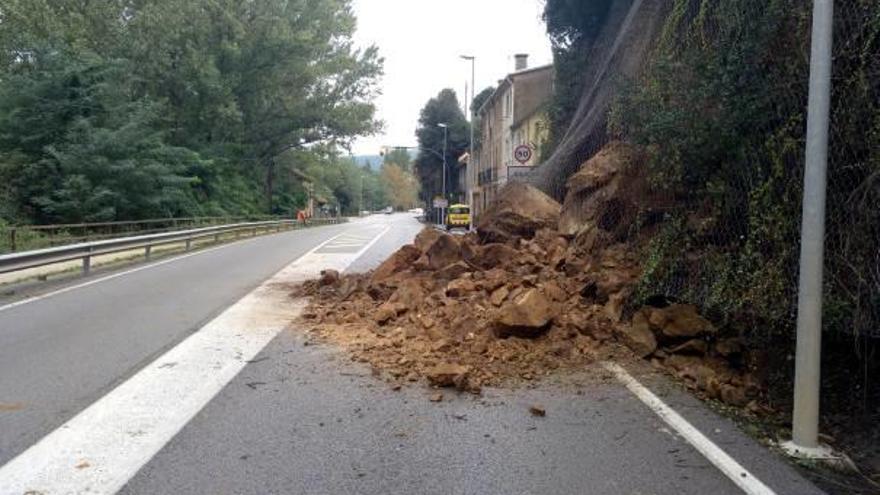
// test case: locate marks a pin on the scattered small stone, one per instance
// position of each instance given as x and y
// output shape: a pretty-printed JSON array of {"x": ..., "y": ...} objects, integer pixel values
[
  {"x": 537, "y": 410},
  {"x": 438, "y": 397}
]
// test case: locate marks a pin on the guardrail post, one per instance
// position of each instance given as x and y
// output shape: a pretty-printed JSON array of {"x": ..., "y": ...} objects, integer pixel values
[
  {"x": 255, "y": 232},
  {"x": 147, "y": 251},
  {"x": 12, "y": 239},
  {"x": 87, "y": 263},
  {"x": 189, "y": 244},
  {"x": 216, "y": 238}
]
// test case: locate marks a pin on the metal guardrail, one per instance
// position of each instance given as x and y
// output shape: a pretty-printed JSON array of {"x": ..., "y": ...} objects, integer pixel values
[
  {"x": 85, "y": 251},
  {"x": 63, "y": 234}
]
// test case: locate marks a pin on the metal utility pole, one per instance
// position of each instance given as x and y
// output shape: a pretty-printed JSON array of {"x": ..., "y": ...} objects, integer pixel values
[
  {"x": 445, "y": 138},
  {"x": 472, "y": 162},
  {"x": 805, "y": 420}
]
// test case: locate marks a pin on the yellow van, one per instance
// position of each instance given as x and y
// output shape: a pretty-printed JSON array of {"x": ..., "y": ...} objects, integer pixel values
[{"x": 458, "y": 216}]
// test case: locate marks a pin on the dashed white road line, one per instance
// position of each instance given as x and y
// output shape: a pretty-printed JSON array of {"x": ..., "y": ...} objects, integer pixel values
[
  {"x": 745, "y": 480},
  {"x": 102, "y": 447}
]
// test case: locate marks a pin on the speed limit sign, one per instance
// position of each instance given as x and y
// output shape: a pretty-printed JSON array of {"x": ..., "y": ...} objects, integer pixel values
[{"x": 522, "y": 154}]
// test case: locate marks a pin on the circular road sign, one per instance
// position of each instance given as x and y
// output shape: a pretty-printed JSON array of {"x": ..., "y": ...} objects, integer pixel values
[{"x": 522, "y": 153}]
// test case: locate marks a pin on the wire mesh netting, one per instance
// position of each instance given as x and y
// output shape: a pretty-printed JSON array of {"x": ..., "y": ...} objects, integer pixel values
[{"x": 717, "y": 106}]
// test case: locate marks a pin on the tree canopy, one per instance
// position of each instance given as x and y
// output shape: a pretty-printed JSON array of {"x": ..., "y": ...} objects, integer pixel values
[
  {"x": 442, "y": 109},
  {"x": 126, "y": 109}
]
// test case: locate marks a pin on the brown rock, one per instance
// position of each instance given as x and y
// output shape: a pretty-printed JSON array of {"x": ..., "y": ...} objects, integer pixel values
[
  {"x": 438, "y": 397},
  {"x": 538, "y": 410},
  {"x": 639, "y": 337},
  {"x": 696, "y": 347},
  {"x": 441, "y": 345},
  {"x": 445, "y": 374},
  {"x": 579, "y": 320},
  {"x": 387, "y": 312},
  {"x": 425, "y": 238},
  {"x": 681, "y": 320},
  {"x": 499, "y": 295},
  {"x": 496, "y": 255},
  {"x": 400, "y": 261},
  {"x": 329, "y": 277},
  {"x": 527, "y": 315},
  {"x": 613, "y": 281},
  {"x": 460, "y": 287},
  {"x": 735, "y": 396},
  {"x": 554, "y": 292},
  {"x": 656, "y": 317},
  {"x": 443, "y": 252},
  {"x": 409, "y": 293},
  {"x": 614, "y": 306},
  {"x": 519, "y": 210},
  {"x": 494, "y": 278},
  {"x": 605, "y": 193},
  {"x": 680, "y": 362},
  {"x": 453, "y": 271}
]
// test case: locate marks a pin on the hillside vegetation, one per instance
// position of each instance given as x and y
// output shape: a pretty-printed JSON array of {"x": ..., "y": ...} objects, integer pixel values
[{"x": 715, "y": 95}]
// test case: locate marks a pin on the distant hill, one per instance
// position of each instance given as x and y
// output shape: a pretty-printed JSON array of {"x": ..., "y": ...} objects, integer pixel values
[{"x": 375, "y": 161}]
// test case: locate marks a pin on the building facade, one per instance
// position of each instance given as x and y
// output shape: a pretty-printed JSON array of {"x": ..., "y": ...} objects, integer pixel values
[{"x": 515, "y": 127}]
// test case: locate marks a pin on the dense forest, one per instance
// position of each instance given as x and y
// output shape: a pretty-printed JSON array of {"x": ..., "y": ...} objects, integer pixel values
[{"x": 131, "y": 109}]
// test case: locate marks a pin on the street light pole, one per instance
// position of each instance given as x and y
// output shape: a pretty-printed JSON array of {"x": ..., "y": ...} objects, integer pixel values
[
  {"x": 472, "y": 161},
  {"x": 445, "y": 138},
  {"x": 805, "y": 418}
]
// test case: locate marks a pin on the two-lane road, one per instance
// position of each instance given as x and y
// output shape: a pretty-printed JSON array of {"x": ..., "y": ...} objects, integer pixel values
[
  {"x": 60, "y": 353},
  {"x": 82, "y": 369}
]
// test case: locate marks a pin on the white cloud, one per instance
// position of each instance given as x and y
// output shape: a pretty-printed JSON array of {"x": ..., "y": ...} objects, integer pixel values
[{"x": 421, "y": 41}]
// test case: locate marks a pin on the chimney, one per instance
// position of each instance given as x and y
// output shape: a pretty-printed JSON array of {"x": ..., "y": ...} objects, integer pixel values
[{"x": 522, "y": 61}]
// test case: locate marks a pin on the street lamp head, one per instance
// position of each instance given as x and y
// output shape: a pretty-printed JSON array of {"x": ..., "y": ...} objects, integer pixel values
[
  {"x": 467, "y": 57},
  {"x": 443, "y": 125}
]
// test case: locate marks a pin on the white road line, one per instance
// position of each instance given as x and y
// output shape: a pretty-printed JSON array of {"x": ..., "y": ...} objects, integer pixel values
[
  {"x": 116, "y": 275},
  {"x": 726, "y": 464},
  {"x": 102, "y": 447}
]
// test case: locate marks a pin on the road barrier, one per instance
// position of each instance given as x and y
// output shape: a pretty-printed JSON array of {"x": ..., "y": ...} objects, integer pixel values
[{"x": 85, "y": 251}]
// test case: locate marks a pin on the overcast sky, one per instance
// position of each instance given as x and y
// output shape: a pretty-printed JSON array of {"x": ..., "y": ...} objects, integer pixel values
[{"x": 421, "y": 41}]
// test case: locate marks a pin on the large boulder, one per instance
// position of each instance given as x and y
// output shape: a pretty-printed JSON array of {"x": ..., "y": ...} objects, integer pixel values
[
  {"x": 398, "y": 262},
  {"x": 442, "y": 252},
  {"x": 526, "y": 315},
  {"x": 519, "y": 210},
  {"x": 496, "y": 255},
  {"x": 410, "y": 293},
  {"x": 425, "y": 238},
  {"x": 606, "y": 193},
  {"x": 680, "y": 321},
  {"x": 638, "y": 336}
]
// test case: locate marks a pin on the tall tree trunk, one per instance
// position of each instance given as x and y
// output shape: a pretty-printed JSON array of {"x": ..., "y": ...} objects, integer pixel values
[{"x": 270, "y": 185}]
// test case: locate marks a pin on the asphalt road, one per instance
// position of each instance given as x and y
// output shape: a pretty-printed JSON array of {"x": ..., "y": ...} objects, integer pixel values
[{"x": 304, "y": 419}]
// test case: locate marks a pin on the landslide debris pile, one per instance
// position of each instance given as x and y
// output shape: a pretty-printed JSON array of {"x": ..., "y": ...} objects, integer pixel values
[
  {"x": 474, "y": 310},
  {"x": 518, "y": 299}
]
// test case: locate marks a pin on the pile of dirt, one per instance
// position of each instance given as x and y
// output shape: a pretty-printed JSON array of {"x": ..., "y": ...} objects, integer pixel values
[
  {"x": 468, "y": 311},
  {"x": 518, "y": 300}
]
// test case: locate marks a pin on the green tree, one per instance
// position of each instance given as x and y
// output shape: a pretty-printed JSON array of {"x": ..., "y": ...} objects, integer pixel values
[
  {"x": 442, "y": 109},
  {"x": 399, "y": 157},
  {"x": 74, "y": 146},
  {"x": 203, "y": 98}
]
